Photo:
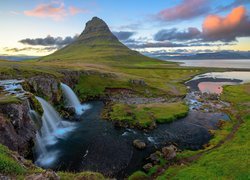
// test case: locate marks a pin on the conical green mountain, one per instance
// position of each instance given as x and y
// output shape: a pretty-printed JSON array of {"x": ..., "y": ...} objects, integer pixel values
[{"x": 96, "y": 42}]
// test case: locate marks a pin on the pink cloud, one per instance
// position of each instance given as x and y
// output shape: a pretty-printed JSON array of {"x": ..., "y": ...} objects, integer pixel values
[
  {"x": 75, "y": 10},
  {"x": 187, "y": 9},
  {"x": 235, "y": 24},
  {"x": 55, "y": 10}
]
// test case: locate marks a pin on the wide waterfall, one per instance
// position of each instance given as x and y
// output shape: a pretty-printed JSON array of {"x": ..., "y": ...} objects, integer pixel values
[
  {"x": 72, "y": 100},
  {"x": 53, "y": 127}
]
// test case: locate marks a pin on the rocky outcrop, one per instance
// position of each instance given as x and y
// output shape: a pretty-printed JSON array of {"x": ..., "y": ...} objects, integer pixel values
[
  {"x": 44, "y": 86},
  {"x": 139, "y": 144},
  {"x": 17, "y": 130},
  {"x": 169, "y": 152},
  {"x": 43, "y": 176}
]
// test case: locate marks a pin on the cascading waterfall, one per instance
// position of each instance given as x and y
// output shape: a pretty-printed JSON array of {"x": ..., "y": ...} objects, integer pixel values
[
  {"x": 72, "y": 100},
  {"x": 53, "y": 127}
]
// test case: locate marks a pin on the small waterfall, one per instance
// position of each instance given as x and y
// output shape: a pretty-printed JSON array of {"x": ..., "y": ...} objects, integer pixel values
[
  {"x": 53, "y": 127},
  {"x": 72, "y": 100}
]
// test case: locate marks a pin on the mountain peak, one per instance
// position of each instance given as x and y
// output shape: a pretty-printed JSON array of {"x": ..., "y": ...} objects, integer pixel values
[{"x": 96, "y": 28}]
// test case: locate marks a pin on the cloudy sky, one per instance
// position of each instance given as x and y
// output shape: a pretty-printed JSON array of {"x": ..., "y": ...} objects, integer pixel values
[{"x": 39, "y": 27}]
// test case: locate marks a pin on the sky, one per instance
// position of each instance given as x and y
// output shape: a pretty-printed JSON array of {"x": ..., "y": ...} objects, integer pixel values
[{"x": 40, "y": 27}]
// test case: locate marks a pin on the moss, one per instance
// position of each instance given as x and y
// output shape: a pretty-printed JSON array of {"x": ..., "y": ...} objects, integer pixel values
[
  {"x": 35, "y": 104},
  {"x": 83, "y": 175},
  {"x": 145, "y": 115},
  {"x": 8, "y": 165},
  {"x": 8, "y": 99},
  {"x": 138, "y": 175}
]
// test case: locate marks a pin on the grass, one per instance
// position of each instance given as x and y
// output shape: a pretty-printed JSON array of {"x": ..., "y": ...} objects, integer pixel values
[
  {"x": 7, "y": 164},
  {"x": 145, "y": 115},
  {"x": 231, "y": 160},
  {"x": 6, "y": 99},
  {"x": 87, "y": 175},
  {"x": 138, "y": 175}
]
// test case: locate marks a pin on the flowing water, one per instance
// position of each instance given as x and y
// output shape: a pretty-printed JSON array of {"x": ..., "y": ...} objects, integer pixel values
[
  {"x": 52, "y": 129},
  {"x": 91, "y": 143},
  {"x": 72, "y": 100}
]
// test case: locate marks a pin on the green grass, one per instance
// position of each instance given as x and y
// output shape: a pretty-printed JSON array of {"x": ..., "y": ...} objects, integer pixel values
[
  {"x": 8, "y": 99},
  {"x": 145, "y": 115},
  {"x": 87, "y": 175},
  {"x": 231, "y": 160},
  {"x": 7, "y": 164},
  {"x": 138, "y": 175}
]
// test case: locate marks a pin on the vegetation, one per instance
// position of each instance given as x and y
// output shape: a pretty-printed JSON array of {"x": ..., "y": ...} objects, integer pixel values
[
  {"x": 5, "y": 99},
  {"x": 138, "y": 175},
  {"x": 83, "y": 175},
  {"x": 229, "y": 161},
  {"x": 8, "y": 165},
  {"x": 145, "y": 115}
]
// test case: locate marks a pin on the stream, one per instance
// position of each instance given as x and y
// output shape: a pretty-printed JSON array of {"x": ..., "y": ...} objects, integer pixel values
[{"x": 91, "y": 143}]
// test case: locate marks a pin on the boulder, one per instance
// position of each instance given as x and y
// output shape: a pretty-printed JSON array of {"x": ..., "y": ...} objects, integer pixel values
[
  {"x": 139, "y": 144},
  {"x": 147, "y": 166},
  {"x": 155, "y": 157},
  {"x": 169, "y": 152},
  {"x": 17, "y": 129}
]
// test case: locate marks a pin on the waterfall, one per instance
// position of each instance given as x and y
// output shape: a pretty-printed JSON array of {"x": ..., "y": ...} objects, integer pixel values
[
  {"x": 53, "y": 127},
  {"x": 72, "y": 100}
]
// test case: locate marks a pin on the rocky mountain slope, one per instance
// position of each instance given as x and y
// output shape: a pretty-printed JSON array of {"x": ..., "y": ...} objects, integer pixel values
[{"x": 96, "y": 42}]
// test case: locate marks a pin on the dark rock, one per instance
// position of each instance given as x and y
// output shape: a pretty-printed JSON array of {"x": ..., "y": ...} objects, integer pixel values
[
  {"x": 17, "y": 130},
  {"x": 139, "y": 144},
  {"x": 147, "y": 166},
  {"x": 155, "y": 157},
  {"x": 45, "y": 86},
  {"x": 139, "y": 82},
  {"x": 169, "y": 152},
  {"x": 43, "y": 176}
]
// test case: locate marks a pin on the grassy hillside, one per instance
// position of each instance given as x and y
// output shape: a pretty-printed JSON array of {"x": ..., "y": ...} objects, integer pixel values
[{"x": 231, "y": 160}]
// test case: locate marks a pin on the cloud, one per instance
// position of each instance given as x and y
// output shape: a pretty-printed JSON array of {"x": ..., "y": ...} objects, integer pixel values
[
  {"x": 49, "y": 41},
  {"x": 15, "y": 50},
  {"x": 74, "y": 10},
  {"x": 174, "y": 34},
  {"x": 54, "y": 10},
  {"x": 235, "y": 24},
  {"x": 215, "y": 28},
  {"x": 123, "y": 35},
  {"x": 233, "y": 4},
  {"x": 187, "y": 9},
  {"x": 136, "y": 45}
]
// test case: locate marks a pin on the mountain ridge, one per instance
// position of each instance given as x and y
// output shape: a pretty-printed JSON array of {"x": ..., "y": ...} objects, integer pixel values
[{"x": 96, "y": 42}]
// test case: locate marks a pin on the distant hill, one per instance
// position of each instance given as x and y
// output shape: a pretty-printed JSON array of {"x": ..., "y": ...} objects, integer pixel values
[
  {"x": 215, "y": 55},
  {"x": 96, "y": 42},
  {"x": 17, "y": 58}
]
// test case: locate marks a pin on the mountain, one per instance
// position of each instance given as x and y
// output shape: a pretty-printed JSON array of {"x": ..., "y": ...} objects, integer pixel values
[
  {"x": 96, "y": 42},
  {"x": 214, "y": 55}
]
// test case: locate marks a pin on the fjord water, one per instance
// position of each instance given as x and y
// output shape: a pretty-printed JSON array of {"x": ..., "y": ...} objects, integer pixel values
[
  {"x": 217, "y": 63},
  {"x": 72, "y": 100}
]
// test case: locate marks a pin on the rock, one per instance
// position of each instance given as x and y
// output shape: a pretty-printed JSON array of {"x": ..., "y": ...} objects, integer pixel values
[
  {"x": 155, "y": 157},
  {"x": 43, "y": 176},
  {"x": 138, "y": 82},
  {"x": 147, "y": 166},
  {"x": 169, "y": 152},
  {"x": 139, "y": 144},
  {"x": 17, "y": 129},
  {"x": 44, "y": 86}
]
